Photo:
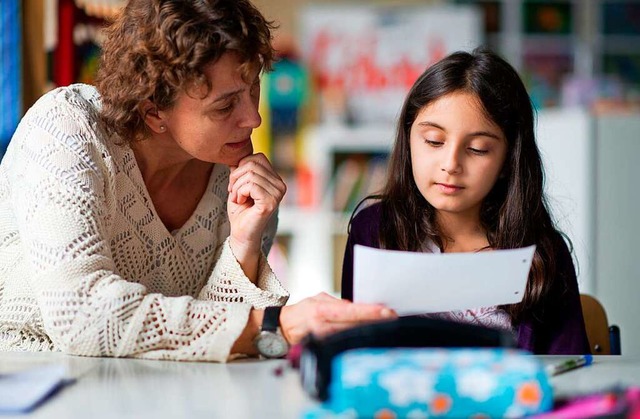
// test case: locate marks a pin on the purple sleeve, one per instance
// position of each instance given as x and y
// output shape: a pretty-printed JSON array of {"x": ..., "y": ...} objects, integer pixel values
[
  {"x": 557, "y": 328},
  {"x": 347, "y": 270},
  {"x": 363, "y": 230}
]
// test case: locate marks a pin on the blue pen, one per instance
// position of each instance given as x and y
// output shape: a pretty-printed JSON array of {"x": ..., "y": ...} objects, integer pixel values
[{"x": 569, "y": 364}]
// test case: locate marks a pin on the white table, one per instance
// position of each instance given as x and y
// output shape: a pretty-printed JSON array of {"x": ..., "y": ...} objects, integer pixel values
[
  {"x": 130, "y": 388},
  {"x": 605, "y": 372}
]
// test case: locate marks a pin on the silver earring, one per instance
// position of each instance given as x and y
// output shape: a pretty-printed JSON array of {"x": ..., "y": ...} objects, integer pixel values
[{"x": 162, "y": 128}]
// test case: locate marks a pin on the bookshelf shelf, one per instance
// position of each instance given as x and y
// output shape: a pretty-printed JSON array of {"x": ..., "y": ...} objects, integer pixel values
[{"x": 318, "y": 232}]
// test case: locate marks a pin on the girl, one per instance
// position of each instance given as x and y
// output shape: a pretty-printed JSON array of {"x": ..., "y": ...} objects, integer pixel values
[{"x": 465, "y": 175}]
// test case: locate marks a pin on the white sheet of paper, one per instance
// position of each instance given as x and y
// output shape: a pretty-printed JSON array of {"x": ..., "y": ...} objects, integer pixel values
[{"x": 415, "y": 282}]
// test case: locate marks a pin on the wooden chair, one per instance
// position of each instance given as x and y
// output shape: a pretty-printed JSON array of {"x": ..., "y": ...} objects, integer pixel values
[{"x": 603, "y": 339}]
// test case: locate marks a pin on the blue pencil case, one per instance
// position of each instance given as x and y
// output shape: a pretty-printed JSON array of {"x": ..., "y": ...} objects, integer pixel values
[{"x": 436, "y": 382}]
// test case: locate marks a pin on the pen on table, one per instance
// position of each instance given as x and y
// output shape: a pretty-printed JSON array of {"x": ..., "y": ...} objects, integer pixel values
[{"x": 569, "y": 364}]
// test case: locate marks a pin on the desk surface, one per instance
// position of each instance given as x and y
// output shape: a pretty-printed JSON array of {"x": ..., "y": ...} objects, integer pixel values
[{"x": 130, "y": 388}]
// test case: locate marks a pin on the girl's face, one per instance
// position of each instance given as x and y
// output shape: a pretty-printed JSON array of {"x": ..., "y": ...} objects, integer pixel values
[{"x": 457, "y": 154}]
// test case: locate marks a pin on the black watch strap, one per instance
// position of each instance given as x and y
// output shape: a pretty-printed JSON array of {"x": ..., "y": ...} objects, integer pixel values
[{"x": 271, "y": 320}]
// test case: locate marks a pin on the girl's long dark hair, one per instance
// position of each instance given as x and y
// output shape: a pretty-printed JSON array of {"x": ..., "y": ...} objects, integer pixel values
[{"x": 514, "y": 213}]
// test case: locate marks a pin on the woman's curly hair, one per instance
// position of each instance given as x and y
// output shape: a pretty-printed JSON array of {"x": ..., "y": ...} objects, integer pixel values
[{"x": 157, "y": 48}]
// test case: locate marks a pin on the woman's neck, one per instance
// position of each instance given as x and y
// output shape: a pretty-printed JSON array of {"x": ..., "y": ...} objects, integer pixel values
[
  {"x": 175, "y": 181},
  {"x": 161, "y": 167},
  {"x": 462, "y": 232}
]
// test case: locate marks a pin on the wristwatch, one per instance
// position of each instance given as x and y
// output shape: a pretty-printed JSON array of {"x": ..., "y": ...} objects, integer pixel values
[{"x": 270, "y": 343}]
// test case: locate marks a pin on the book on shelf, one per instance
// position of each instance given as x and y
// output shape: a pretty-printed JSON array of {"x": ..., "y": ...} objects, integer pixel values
[
  {"x": 375, "y": 176},
  {"x": 346, "y": 181},
  {"x": 356, "y": 176}
]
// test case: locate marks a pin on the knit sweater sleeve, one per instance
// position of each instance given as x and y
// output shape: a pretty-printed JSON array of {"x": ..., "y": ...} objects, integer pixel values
[
  {"x": 63, "y": 215},
  {"x": 363, "y": 229},
  {"x": 229, "y": 283}
]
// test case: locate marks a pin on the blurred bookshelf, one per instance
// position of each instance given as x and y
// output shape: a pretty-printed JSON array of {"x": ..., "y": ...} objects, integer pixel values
[
  {"x": 61, "y": 42},
  {"x": 559, "y": 46},
  {"x": 355, "y": 175},
  {"x": 347, "y": 163},
  {"x": 571, "y": 53}
]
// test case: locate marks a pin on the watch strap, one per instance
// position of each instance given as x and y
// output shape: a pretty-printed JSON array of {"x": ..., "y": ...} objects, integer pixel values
[{"x": 271, "y": 319}]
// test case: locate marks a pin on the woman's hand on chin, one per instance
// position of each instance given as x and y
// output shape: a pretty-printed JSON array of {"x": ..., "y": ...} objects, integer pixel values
[{"x": 255, "y": 191}]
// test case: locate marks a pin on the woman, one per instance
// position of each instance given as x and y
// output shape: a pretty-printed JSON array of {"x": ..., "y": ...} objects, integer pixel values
[
  {"x": 466, "y": 176},
  {"x": 135, "y": 217}
]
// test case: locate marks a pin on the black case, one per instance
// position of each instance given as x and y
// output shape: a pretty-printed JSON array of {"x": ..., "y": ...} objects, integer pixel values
[{"x": 404, "y": 332}]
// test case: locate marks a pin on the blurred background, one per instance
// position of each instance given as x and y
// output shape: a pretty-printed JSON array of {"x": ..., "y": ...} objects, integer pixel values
[{"x": 329, "y": 110}]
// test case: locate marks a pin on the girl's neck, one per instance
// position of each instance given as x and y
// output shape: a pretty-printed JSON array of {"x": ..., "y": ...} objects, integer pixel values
[{"x": 462, "y": 233}]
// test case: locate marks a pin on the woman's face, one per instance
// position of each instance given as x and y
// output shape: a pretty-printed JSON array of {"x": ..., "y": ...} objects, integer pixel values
[
  {"x": 457, "y": 154},
  {"x": 216, "y": 128}
]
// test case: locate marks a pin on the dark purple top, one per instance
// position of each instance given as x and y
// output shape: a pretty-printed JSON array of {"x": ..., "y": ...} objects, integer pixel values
[{"x": 555, "y": 327}]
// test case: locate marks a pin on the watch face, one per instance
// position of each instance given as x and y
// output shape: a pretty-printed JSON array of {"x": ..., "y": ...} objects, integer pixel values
[{"x": 271, "y": 345}]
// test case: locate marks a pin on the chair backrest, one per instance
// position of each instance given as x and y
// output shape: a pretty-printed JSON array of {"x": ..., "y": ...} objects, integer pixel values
[{"x": 597, "y": 325}]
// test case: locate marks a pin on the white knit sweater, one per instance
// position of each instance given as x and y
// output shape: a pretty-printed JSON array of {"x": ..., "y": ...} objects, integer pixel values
[{"x": 86, "y": 265}]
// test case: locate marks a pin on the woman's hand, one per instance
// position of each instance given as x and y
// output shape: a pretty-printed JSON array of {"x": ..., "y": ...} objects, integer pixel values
[
  {"x": 323, "y": 314},
  {"x": 255, "y": 191}
]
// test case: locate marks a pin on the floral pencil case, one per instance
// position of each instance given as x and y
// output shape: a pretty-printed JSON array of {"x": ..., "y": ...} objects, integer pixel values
[{"x": 436, "y": 382}]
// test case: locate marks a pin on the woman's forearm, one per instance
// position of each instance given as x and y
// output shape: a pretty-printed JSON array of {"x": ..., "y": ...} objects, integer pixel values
[{"x": 245, "y": 343}]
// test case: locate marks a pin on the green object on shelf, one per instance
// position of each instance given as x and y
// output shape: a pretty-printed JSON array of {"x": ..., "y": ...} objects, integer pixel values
[{"x": 548, "y": 17}]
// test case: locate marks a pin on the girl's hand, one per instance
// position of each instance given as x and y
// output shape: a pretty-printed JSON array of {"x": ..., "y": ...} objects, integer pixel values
[
  {"x": 323, "y": 314},
  {"x": 255, "y": 191}
]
